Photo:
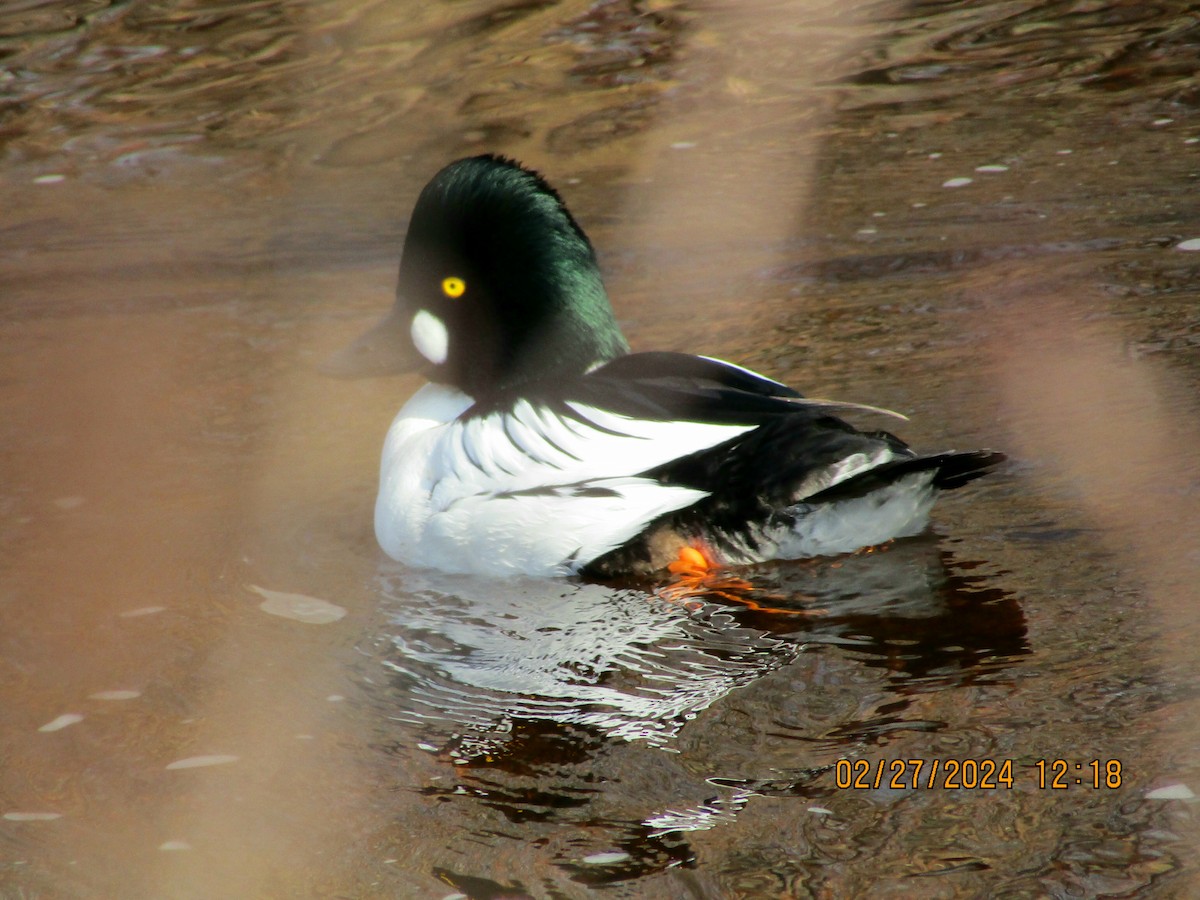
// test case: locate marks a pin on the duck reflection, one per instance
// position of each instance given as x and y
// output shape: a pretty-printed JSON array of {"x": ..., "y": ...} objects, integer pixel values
[
  {"x": 474, "y": 662},
  {"x": 531, "y": 688}
]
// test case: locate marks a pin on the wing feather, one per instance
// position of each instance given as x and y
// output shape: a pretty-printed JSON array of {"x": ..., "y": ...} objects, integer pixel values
[
  {"x": 549, "y": 481},
  {"x": 680, "y": 387},
  {"x": 581, "y": 445}
]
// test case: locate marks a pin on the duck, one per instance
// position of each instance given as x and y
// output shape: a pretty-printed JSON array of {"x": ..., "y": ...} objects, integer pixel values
[{"x": 541, "y": 446}]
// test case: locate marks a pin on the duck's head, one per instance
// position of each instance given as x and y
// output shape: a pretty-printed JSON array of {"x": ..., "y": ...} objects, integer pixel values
[{"x": 498, "y": 287}]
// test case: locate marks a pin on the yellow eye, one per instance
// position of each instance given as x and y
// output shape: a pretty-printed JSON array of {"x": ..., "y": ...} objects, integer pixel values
[{"x": 453, "y": 287}]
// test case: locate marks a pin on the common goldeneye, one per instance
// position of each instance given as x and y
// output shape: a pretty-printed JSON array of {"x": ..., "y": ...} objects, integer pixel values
[{"x": 542, "y": 446}]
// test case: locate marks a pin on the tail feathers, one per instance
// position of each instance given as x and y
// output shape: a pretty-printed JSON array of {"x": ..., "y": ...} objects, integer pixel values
[
  {"x": 959, "y": 467},
  {"x": 951, "y": 469}
]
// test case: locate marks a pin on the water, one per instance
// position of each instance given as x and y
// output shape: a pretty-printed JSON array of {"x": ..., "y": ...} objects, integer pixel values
[{"x": 202, "y": 201}]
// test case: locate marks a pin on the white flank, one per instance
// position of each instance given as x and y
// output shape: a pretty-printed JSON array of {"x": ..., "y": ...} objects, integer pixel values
[
  {"x": 900, "y": 509},
  {"x": 430, "y": 337},
  {"x": 528, "y": 491}
]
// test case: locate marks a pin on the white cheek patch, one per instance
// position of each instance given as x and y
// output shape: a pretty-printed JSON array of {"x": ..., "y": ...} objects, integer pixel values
[{"x": 430, "y": 337}]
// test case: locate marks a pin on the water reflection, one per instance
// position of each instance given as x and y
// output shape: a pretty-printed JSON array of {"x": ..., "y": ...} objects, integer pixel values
[
  {"x": 483, "y": 655},
  {"x": 529, "y": 688},
  {"x": 474, "y": 660}
]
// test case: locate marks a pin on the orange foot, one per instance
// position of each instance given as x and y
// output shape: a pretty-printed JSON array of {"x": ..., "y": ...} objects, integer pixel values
[
  {"x": 698, "y": 577},
  {"x": 691, "y": 561}
]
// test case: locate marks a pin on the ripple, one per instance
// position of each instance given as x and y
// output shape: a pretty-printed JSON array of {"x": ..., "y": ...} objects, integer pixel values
[
  {"x": 529, "y": 670},
  {"x": 1042, "y": 49},
  {"x": 486, "y": 656},
  {"x": 620, "y": 43}
]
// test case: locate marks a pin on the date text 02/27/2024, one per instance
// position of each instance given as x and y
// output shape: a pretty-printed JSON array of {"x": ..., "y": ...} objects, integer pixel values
[{"x": 974, "y": 774}]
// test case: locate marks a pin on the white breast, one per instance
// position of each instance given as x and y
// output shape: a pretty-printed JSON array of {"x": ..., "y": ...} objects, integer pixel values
[{"x": 527, "y": 491}]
